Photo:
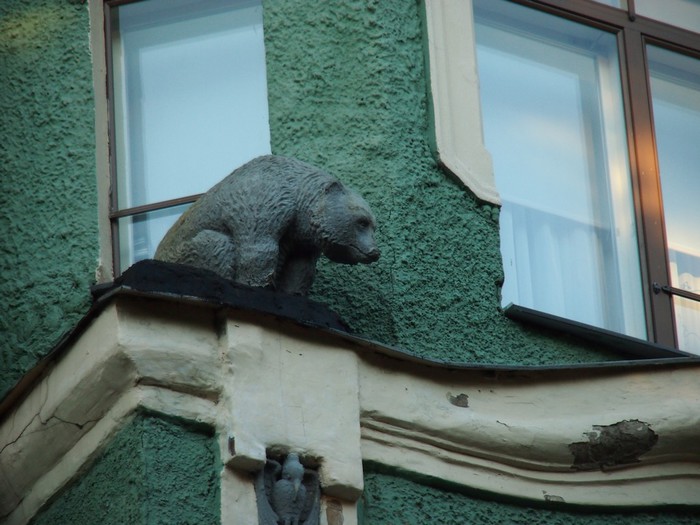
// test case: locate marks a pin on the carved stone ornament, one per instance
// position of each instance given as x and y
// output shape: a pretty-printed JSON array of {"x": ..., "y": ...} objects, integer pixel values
[
  {"x": 268, "y": 222},
  {"x": 287, "y": 493}
]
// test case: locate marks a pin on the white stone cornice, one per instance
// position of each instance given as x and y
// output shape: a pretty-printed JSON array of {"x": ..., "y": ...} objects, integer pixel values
[
  {"x": 294, "y": 392},
  {"x": 612, "y": 435},
  {"x": 513, "y": 434}
]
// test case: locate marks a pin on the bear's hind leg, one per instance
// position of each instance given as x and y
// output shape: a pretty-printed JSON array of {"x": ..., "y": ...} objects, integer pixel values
[{"x": 210, "y": 250}]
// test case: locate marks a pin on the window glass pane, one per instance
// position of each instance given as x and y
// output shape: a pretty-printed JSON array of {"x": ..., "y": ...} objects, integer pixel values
[
  {"x": 190, "y": 95},
  {"x": 688, "y": 322},
  {"x": 140, "y": 234},
  {"x": 681, "y": 13},
  {"x": 615, "y": 3},
  {"x": 675, "y": 86},
  {"x": 553, "y": 122}
]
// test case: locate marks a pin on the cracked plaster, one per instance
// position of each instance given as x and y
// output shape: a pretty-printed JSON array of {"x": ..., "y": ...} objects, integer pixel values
[{"x": 512, "y": 439}]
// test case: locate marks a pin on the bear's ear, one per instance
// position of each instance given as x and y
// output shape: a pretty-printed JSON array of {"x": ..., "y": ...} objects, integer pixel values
[{"x": 333, "y": 187}]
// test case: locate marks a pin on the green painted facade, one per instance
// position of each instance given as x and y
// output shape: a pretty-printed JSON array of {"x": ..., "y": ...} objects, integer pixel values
[
  {"x": 348, "y": 91},
  {"x": 48, "y": 196},
  {"x": 155, "y": 471},
  {"x": 394, "y": 500}
]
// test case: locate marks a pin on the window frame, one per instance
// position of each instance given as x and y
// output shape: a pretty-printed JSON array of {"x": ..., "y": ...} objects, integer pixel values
[
  {"x": 113, "y": 212},
  {"x": 116, "y": 213},
  {"x": 456, "y": 108},
  {"x": 633, "y": 33}
]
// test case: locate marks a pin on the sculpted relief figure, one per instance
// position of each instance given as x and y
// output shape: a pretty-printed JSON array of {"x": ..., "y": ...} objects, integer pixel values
[
  {"x": 268, "y": 222},
  {"x": 287, "y": 493}
]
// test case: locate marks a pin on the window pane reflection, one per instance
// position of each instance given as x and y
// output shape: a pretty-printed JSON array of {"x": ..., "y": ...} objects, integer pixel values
[
  {"x": 614, "y": 3},
  {"x": 140, "y": 234},
  {"x": 675, "y": 85},
  {"x": 681, "y": 13},
  {"x": 190, "y": 95},
  {"x": 688, "y": 323},
  {"x": 553, "y": 122}
]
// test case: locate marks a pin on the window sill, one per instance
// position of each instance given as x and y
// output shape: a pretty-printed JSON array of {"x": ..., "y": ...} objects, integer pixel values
[{"x": 630, "y": 347}]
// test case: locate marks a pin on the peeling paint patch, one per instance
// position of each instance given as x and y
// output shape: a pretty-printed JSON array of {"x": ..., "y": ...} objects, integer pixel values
[
  {"x": 552, "y": 497},
  {"x": 611, "y": 445},
  {"x": 460, "y": 400}
]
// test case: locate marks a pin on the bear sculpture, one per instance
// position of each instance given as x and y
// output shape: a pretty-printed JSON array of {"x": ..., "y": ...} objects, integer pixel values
[{"x": 267, "y": 223}]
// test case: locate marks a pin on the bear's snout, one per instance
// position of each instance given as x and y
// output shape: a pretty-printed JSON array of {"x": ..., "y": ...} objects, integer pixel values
[{"x": 373, "y": 255}]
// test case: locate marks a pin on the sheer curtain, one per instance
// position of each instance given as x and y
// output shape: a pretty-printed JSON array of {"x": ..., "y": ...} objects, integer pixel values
[{"x": 553, "y": 122}]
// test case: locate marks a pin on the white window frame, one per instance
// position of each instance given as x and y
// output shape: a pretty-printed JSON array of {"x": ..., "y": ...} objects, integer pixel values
[
  {"x": 454, "y": 88},
  {"x": 104, "y": 271}
]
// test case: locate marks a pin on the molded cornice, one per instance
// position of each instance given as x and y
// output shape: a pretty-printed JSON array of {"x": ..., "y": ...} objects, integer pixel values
[{"x": 621, "y": 434}]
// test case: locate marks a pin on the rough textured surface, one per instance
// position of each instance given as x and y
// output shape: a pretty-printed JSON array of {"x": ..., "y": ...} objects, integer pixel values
[
  {"x": 155, "y": 471},
  {"x": 610, "y": 445},
  {"x": 347, "y": 91},
  {"x": 391, "y": 500},
  {"x": 48, "y": 203}
]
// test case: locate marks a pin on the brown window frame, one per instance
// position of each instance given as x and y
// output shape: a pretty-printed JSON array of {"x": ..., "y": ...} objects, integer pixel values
[{"x": 634, "y": 33}]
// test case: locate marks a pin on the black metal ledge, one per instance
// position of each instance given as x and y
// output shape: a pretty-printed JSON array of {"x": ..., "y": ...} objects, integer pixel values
[
  {"x": 627, "y": 346},
  {"x": 176, "y": 280}
]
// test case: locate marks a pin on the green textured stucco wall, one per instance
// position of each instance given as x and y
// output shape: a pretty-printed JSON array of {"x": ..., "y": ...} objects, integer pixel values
[
  {"x": 348, "y": 91},
  {"x": 395, "y": 500},
  {"x": 155, "y": 471},
  {"x": 48, "y": 200}
]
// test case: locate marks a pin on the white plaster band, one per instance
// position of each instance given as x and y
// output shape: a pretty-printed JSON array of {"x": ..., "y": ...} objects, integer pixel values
[{"x": 605, "y": 435}]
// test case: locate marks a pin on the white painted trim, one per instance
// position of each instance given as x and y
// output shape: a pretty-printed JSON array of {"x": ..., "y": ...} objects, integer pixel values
[
  {"x": 455, "y": 96},
  {"x": 306, "y": 398},
  {"x": 513, "y": 437},
  {"x": 104, "y": 271},
  {"x": 270, "y": 383}
]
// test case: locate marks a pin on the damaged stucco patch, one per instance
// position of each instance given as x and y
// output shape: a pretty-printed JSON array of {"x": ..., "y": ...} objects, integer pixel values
[
  {"x": 611, "y": 445},
  {"x": 460, "y": 400}
]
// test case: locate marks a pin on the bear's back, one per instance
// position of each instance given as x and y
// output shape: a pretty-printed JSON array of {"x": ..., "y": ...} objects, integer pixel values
[{"x": 268, "y": 191}]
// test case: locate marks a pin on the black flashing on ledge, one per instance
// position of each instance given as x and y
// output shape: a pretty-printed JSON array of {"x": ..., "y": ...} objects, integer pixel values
[
  {"x": 187, "y": 282},
  {"x": 630, "y": 346}
]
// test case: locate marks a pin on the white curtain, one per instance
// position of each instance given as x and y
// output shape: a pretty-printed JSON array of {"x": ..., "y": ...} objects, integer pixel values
[{"x": 554, "y": 124}]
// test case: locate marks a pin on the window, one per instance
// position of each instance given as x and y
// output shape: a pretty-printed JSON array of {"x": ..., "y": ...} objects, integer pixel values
[
  {"x": 591, "y": 113},
  {"x": 675, "y": 93},
  {"x": 188, "y": 105}
]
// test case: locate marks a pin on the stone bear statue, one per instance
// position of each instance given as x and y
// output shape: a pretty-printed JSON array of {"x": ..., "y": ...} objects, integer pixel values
[{"x": 267, "y": 223}]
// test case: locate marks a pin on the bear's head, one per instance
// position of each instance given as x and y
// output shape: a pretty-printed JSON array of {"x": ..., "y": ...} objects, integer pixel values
[{"x": 346, "y": 226}]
